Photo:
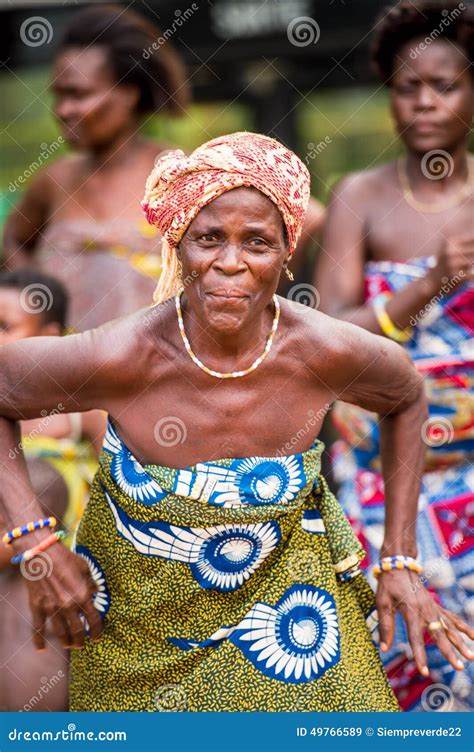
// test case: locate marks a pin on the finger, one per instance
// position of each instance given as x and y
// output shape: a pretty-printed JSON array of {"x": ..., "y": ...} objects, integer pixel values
[
  {"x": 61, "y": 629},
  {"x": 386, "y": 627},
  {"x": 455, "y": 638},
  {"x": 415, "y": 636},
  {"x": 76, "y": 629},
  {"x": 440, "y": 638},
  {"x": 39, "y": 621},
  {"x": 460, "y": 624},
  {"x": 94, "y": 620}
]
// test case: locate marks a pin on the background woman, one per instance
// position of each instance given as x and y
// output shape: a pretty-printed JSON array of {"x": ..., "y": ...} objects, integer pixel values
[
  {"x": 80, "y": 219},
  {"x": 398, "y": 255}
]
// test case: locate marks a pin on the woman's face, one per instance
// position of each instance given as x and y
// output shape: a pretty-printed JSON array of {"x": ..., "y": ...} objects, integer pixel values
[
  {"x": 432, "y": 95},
  {"x": 232, "y": 256},
  {"x": 90, "y": 106}
]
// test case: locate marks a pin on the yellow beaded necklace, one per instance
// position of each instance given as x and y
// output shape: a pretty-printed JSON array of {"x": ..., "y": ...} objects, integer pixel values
[
  {"x": 453, "y": 200},
  {"x": 232, "y": 374}
]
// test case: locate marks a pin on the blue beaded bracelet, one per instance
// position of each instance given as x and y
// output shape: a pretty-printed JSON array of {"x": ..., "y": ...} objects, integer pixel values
[{"x": 30, "y": 527}]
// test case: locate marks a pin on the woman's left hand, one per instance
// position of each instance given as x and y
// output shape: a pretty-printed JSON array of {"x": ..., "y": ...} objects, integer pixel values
[{"x": 403, "y": 590}]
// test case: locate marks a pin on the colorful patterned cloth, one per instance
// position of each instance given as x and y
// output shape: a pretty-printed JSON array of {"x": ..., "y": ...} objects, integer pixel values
[
  {"x": 218, "y": 589},
  {"x": 179, "y": 186},
  {"x": 76, "y": 464},
  {"x": 442, "y": 349}
]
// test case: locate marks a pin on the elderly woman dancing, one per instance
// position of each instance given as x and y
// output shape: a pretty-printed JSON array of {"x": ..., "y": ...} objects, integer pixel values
[{"x": 213, "y": 569}]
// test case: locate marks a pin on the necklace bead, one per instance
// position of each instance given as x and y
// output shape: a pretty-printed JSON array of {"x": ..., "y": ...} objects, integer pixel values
[{"x": 231, "y": 374}]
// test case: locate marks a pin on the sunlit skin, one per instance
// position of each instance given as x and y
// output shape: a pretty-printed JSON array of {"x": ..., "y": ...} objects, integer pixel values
[{"x": 136, "y": 368}]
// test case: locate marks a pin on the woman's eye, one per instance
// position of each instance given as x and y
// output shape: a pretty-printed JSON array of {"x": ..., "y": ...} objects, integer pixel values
[
  {"x": 406, "y": 90},
  {"x": 444, "y": 88},
  {"x": 257, "y": 242}
]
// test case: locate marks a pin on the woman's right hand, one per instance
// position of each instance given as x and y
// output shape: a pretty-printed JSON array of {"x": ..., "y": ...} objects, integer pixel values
[
  {"x": 455, "y": 263},
  {"x": 60, "y": 589}
]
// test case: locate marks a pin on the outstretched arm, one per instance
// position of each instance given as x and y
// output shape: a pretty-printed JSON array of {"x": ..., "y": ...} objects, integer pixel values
[
  {"x": 37, "y": 376},
  {"x": 376, "y": 374}
]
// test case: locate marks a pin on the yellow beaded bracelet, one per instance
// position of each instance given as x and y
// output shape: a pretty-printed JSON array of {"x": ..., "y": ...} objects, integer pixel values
[
  {"x": 397, "y": 562},
  {"x": 385, "y": 322},
  {"x": 30, "y": 527}
]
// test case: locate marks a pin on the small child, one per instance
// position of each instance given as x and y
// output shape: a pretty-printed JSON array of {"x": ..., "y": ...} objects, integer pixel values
[
  {"x": 32, "y": 305},
  {"x": 61, "y": 451}
]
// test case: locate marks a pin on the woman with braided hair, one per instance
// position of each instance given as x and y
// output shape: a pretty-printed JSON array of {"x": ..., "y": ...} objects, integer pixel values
[{"x": 213, "y": 569}]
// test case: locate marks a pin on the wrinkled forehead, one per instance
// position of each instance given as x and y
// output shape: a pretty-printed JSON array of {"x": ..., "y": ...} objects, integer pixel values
[{"x": 248, "y": 204}]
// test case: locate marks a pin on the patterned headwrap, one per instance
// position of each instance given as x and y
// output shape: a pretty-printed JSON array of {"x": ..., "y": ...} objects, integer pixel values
[{"x": 179, "y": 186}]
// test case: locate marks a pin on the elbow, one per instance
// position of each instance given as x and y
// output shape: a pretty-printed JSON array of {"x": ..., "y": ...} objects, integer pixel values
[{"x": 412, "y": 398}]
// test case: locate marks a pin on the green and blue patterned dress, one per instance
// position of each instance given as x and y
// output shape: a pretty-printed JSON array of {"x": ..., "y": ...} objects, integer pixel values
[{"x": 232, "y": 585}]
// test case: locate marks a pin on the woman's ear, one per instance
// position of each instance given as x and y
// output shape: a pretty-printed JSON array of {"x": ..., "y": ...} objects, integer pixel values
[{"x": 130, "y": 95}]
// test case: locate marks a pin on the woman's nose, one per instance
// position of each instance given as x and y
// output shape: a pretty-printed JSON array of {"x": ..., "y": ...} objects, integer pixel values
[
  {"x": 64, "y": 109},
  {"x": 230, "y": 258},
  {"x": 426, "y": 98}
]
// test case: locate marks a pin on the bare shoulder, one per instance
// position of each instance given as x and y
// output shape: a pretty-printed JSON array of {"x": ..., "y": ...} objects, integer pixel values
[
  {"x": 143, "y": 338},
  {"x": 61, "y": 170},
  {"x": 365, "y": 184},
  {"x": 333, "y": 347}
]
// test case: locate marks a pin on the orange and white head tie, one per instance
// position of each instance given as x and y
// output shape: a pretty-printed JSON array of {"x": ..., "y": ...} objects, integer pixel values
[{"x": 179, "y": 186}]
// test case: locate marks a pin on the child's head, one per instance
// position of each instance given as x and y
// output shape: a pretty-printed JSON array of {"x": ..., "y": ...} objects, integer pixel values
[{"x": 31, "y": 304}]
